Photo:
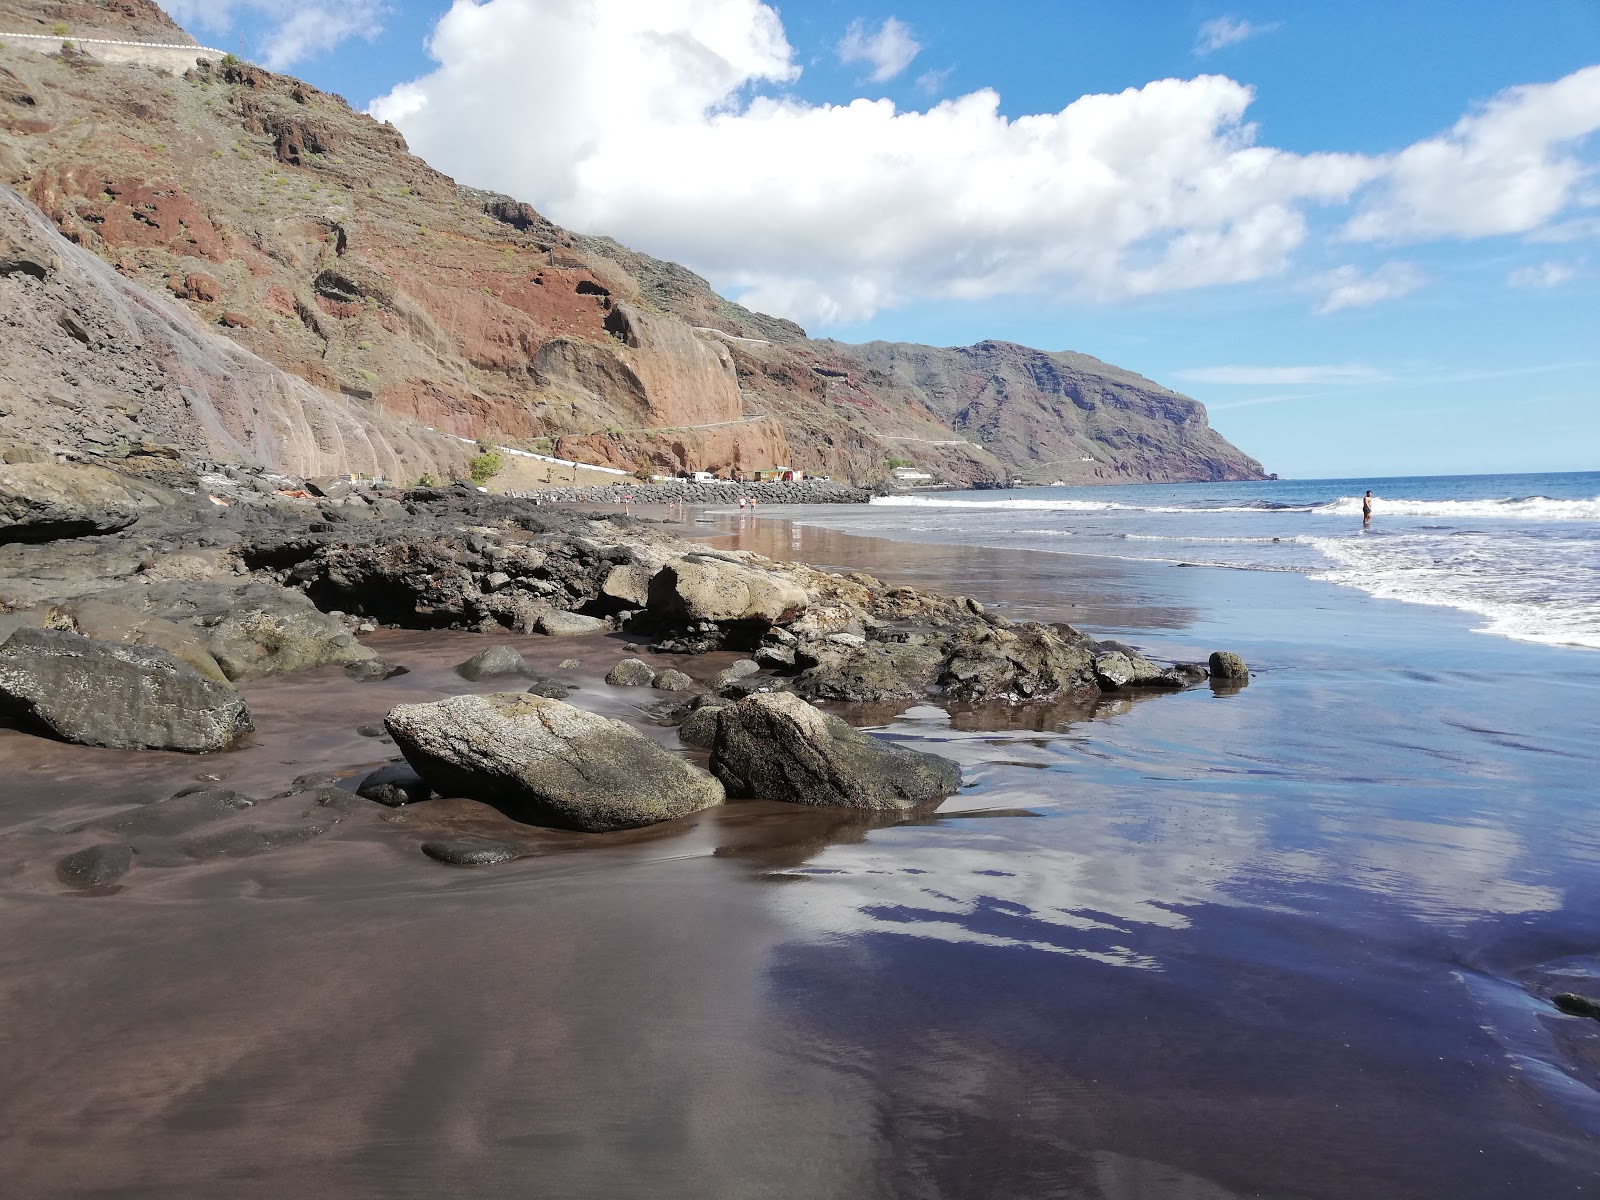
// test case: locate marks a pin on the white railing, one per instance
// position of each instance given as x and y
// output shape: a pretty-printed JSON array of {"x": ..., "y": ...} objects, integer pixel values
[{"x": 83, "y": 41}]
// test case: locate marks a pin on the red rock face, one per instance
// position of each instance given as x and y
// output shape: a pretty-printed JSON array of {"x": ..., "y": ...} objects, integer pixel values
[
  {"x": 138, "y": 19},
  {"x": 343, "y": 259}
]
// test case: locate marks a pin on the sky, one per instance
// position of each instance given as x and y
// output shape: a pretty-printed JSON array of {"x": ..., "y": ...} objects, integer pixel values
[{"x": 1365, "y": 235}]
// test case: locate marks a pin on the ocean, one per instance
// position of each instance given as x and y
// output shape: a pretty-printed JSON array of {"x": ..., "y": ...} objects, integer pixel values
[{"x": 1519, "y": 552}]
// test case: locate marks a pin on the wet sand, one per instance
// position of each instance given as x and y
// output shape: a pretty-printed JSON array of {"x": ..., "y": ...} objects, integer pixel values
[{"x": 1288, "y": 942}]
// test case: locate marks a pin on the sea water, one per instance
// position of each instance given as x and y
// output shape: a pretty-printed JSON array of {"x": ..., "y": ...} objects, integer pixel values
[{"x": 1521, "y": 552}]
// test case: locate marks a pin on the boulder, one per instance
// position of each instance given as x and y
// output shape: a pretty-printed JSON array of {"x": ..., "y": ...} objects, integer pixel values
[
  {"x": 674, "y": 681},
  {"x": 550, "y": 689},
  {"x": 631, "y": 672},
  {"x": 735, "y": 671},
  {"x": 492, "y": 663},
  {"x": 470, "y": 851},
  {"x": 569, "y": 624},
  {"x": 40, "y": 502},
  {"x": 123, "y": 697},
  {"x": 1016, "y": 662},
  {"x": 251, "y": 629},
  {"x": 705, "y": 588},
  {"x": 1229, "y": 667},
  {"x": 546, "y": 762},
  {"x": 876, "y": 671},
  {"x": 395, "y": 785},
  {"x": 778, "y": 747},
  {"x": 1116, "y": 670},
  {"x": 95, "y": 866},
  {"x": 699, "y": 728},
  {"x": 374, "y": 670}
]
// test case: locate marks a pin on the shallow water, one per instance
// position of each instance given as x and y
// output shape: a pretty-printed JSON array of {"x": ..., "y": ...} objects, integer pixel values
[{"x": 1293, "y": 941}]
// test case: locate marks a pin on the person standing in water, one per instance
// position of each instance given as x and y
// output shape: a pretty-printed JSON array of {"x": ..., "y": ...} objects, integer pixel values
[{"x": 1366, "y": 509}]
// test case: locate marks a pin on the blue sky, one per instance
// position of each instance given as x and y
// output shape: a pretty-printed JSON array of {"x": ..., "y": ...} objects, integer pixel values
[{"x": 1366, "y": 235}]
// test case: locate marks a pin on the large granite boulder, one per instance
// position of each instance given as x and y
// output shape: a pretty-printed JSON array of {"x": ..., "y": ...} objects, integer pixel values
[
  {"x": 124, "y": 697},
  {"x": 777, "y": 747},
  {"x": 548, "y": 763},
  {"x": 43, "y": 501},
  {"x": 701, "y": 587}
]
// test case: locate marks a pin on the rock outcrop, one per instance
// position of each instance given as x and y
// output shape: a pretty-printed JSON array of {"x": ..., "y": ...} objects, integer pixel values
[
  {"x": 121, "y": 697},
  {"x": 547, "y": 763},
  {"x": 778, "y": 747},
  {"x": 42, "y": 501}
]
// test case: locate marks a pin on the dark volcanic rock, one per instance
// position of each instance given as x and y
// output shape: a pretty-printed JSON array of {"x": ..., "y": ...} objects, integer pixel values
[
  {"x": 493, "y": 662},
  {"x": 375, "y": 670},
  {"x": 548, "y": 763},
  {"x": 470, "y": 852},
  {"x": 123, "y": 697},
  {"x": 395, "y": 785},
  {"x": 550, "y": 689},
  {"x": 95, "y": 866},
  {"x": 1229, "y": 667},
  {"x": 778, "y": 747},
  {"x": 1575, "y": 1005}
]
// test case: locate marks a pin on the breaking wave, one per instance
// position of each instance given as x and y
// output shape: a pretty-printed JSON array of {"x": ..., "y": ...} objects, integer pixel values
[{"x": 1520, "y": 508}]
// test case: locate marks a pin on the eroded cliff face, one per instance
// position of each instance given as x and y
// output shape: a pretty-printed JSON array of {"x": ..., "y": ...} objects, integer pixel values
[
  {"x": 308, "y": 235},
  {"x": 90, "y": 361},
  {"x": 141, "y": 20}
]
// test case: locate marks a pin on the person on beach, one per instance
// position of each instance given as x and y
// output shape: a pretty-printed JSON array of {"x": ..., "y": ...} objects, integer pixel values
[
  {"x": 743, "y": 500},
  {"x": 1366, "y": 508}
]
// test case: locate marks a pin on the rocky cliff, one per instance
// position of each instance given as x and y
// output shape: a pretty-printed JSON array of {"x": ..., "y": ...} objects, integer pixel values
[
  {"x": 306, "y": 234},
  {"x": 91, "y": 362}
]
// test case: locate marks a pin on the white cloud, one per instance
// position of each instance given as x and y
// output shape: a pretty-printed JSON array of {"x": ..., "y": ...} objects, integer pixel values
[
  {"x": 1283, "y": 376},
  {"x": 1510, "y": 167},
  {"x": 298, "y": 29},
  {"x": 1347, "y": 287},
  {"x": 1227, "y": 31},
  {"x": 668, "y": 124},
  {"x": 1542, "y": 275},
  {"x": 645, "y": 131},
  {"x": 889, "y": 51}
]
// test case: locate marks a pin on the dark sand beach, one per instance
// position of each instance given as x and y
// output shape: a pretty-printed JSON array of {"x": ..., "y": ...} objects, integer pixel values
[{"x": 1291, "y": 941}]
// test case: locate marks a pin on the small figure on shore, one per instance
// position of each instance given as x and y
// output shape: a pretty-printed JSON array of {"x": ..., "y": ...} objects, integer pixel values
[
  {"x": 743, "y": 500},
  {"x": 1366, "y": 508}
]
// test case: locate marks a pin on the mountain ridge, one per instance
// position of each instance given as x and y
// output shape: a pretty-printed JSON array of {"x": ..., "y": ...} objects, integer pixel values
[{"x": 308, "y": 233}]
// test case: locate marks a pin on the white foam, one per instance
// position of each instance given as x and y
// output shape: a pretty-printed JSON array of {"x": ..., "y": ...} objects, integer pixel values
[
  {"x": 1003, "y": 505},
  {"x": 1526, "y": 588},
  {"x": 1523, "y": 508}
]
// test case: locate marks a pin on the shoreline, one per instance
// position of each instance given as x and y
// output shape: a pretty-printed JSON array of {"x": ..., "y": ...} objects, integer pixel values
[{"x": 1156, "y": 918}]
